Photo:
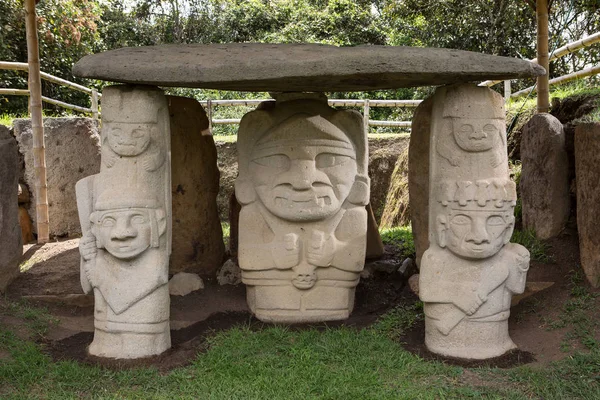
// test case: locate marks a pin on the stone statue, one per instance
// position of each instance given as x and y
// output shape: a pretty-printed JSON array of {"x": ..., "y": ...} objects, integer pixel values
[
  {"x": 303, "y": 186},
  {"x": 470, "y": 270},
  {"x": 125, "y": 218}
]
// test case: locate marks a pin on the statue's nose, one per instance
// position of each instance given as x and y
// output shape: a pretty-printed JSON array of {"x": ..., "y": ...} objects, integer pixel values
[
  {"x": 478, "y": 233},
  {"x": 123, "y": 231},
  {"x": 302, "y": 174}
]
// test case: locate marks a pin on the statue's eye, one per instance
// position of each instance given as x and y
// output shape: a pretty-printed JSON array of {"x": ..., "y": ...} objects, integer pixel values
[
  {"x": 489, "y": 128},
  {"x": 108, "y": 222},
  {"x": 138, "y": 219},
  {"x": 461, "y": 220},
  {"x": 116, "y": 132},
  {"x": 495, "y": 220},
  {"x": 138, "y": 133},
  {"x": 466, "y": 128},
  {"x": 279, "y": 161},
  {"x": 326, "y": 160}
]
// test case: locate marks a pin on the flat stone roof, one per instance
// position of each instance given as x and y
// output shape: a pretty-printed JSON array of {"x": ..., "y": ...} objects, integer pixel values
[{"x": 298, "y": 67}]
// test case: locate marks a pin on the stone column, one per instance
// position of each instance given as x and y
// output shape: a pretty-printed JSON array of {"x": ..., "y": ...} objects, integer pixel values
[
  {"x": 125, "y": 215},
  {"x": 587, "y": 169},
  {"x": 469, "y": 271},
  {"x": 544, "y": 176},
  {"x": 303, "y": 186},
  {"x": 11, "y": 245}
]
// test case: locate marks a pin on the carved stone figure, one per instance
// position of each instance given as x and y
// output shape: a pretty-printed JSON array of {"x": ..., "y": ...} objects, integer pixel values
[
  {"x": 303, "y": 186},
  {"x": 470, "y": 270},
  {"x": 125, "y": 218}
]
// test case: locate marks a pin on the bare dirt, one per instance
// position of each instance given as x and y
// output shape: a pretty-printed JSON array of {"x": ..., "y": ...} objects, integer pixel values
[{"x": 54, "y": 273}]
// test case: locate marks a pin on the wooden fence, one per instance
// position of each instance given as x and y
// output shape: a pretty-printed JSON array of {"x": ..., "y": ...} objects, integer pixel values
[{"x": 19, "y": 66}]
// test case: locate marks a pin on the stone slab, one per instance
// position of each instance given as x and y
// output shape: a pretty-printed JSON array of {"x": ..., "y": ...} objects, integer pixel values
[
  {"x": 587, "y": 165},
  {"x": 298, "y": 67},
  {"x": 72, "y": 153},
  {"x": 11, "y": 245},
  {"x": 544, "y": 176},
  {"x": 197, "y": 237}
]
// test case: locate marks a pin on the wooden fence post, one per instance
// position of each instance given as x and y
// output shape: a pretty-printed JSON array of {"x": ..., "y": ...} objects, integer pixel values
[
  {"x": 366, "y": 116},
  {"x": 37, "y": 123},
  {"x": 209, "y": 115},
  {"x": 94, "y": 103},
  {"x": 543, "y": 95},
  {"x": 507, "y": 90}
]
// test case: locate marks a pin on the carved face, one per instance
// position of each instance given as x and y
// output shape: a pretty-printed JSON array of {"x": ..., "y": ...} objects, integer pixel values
[
  {"x": 475, "y": 234},
  {"x": 124, "y": 233},
  {"x": 476, "y": 135},
  {"x": 128, "y": 139},
  {"x": 303, "y": 183}
]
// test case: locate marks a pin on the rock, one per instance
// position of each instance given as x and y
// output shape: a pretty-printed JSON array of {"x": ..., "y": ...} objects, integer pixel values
[
  {"x": 24, "y": 195},
  {"x": 544, "y": 182},
  {"x": 408, "y": 267},
  {"x": 418, "y": 176},
  {"x": 397, "y": 210},
  {"x": 26, "y": 225},
  {"x": 228, "y": 170},
  {"x": 72, "y": 153},
  {"x": 413, "y": 284},
  {"x": 229, "y": 274},
  {"x": 298, "y": 67},
  {"x": 383, "y": 156},
  {"x": 374, "y": 242},
  {"x": 197, "y": 236},
  {"x": 587, "y": 165},
  {"x": 184, "y": 283},
  {"x": 11, "y": 244}
]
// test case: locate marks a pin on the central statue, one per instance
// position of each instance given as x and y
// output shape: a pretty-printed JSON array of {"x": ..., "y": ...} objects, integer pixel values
[{"x": 303, "y": 186}]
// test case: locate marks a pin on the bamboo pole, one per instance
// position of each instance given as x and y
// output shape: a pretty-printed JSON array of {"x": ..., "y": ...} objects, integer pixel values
[
  {"x": 37, "y": 124},
  {"x": 543, "y": 92},
  {"x": 565, "y": 78}
]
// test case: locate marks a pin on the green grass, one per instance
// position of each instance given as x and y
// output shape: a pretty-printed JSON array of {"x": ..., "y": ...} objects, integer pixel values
[
  {"x": 279, "y": 363},
  {"x": 537, "y": 248},
  {"x": 401, "y": 237},
  {"x": 226, "y": 233},
  {"x": 7, "y": 119}
]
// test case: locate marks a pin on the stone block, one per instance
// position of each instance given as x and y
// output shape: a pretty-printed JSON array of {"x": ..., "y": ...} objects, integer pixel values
[
  {"x": 11, "y": 244},
  {"x": 587, "y": 169},
  {"x": 544, "y": 185},
  {"x": 303, "y": 186},
  {"x": 72, "y": 153},
  {"x": 197, "y": 236}
]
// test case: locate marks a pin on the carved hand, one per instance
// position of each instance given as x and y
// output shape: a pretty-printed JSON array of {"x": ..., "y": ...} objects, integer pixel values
[
  {"x": 87, "y": 247},
  {"x": 321, "y": 250},
  {"x": 286, "y": 253},
  {"x": 470, "y": 305},
  {"x": 109, "y": 158}
]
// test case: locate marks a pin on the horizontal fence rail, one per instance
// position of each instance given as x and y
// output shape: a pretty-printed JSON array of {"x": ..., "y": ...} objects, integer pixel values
[
  {"x": 365, "y": 103},
  {"x": 19, "y": 66},
  {"x": 560, "y": 52}
]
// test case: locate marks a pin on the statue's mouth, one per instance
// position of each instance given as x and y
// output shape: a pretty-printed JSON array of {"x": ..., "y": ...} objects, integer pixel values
[{"x": 305, "y": 201}]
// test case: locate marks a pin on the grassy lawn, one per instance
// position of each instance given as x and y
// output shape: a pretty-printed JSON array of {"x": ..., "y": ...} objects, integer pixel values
[{"x": 279, "y": 363}]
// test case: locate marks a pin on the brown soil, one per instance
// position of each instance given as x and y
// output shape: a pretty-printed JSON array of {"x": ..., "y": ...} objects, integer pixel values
[{"x": 54, "y": 271}]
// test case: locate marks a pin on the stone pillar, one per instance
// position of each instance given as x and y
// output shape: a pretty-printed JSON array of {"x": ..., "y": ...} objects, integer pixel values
[
  {"x": 544, "y": 176},
  {"x": 125, "y": 215},
  {"x": 11, "y": 245},
  {"x": 470, "y": 271},
  {"x": 587, "y": 170},
  {"x": 303, "y": 185}
]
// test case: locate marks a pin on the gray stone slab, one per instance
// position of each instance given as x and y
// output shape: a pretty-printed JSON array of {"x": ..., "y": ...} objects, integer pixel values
[{"x": 298, "y": 67}]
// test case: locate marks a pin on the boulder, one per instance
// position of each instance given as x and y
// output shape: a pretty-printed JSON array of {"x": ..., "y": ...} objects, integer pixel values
[
  {"x": 544, "y": 184},
  {"x": 72, "y": 153},
  {"x": 11, "y": 244},
  {"x": 587, "y": 167},
  {"x": 397, "y": 210},
  {"x": 197, "y": 236},
  {"x": 184, "y": 283},
  {"x": 229, "y": 274}
]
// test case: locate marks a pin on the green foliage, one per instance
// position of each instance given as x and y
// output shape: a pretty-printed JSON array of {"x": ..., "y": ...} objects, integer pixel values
[
  {"x": 401, "y": 237},
  {"x": 537, "y": 248}
]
